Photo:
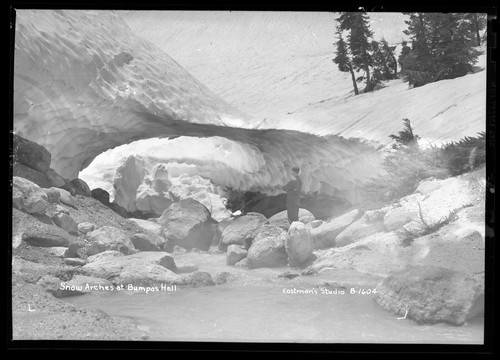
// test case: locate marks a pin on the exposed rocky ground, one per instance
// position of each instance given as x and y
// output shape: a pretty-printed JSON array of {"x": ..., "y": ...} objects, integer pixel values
[{"x": 66, "y": 240}]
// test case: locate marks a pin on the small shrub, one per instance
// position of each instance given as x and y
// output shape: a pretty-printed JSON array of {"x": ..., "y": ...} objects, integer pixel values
[{"x": 407, "y": 163}]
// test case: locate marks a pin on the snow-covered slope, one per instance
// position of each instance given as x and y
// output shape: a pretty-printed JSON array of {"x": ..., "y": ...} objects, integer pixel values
[
  {"x": 263, "y": 63},
  {"x": 277, "y": 66}
]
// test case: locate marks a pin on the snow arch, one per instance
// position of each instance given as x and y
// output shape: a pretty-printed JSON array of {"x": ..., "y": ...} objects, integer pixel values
[{"x": 84, "y": 83}]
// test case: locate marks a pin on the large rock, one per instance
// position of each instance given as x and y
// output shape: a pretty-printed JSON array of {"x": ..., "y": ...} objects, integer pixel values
[
  {"x": 140, "y": 268},
  {"x": 64, "y": 196},
  {"x": 281, "y": 219},
  {"x": 118, "y": 209},
  {"x": 28, "y": 196},
  {"x": 196, "y": 279},
  {"x": 87, "y": 284},
  {"x": 86, "y": 227},
  {"x": 32, "y": 175},
  {"x": 241, "y": 229},
  {"x": 149, "y": 226},
  {"x": 57, "y": 287},
  {"x": 324, "y": 235},
  {"x": 457, "y": 246},
  {"x": 58, "y": 251},
  {"x": 53, "y": 196},
  {"x": 378, "y": 254},
  {"x": 316, "y": 223},
  {"x": 81, "y": 187},
  {"x": 268, "y": 248},
  {"x": 214, "y": 203},
  {"x": 27, "y": 228},
  {"x": 147, "y": 242},
  {"x": 370, "y": 223},
  {"x": 188, "y": 224},
  {"x": 218, "y": 229},
  {"x": 65, "y": 222},
  {"x": 109, "y": 238},
  {"x": 222, "y": 277},
  {"x": 75, "y": 261},
  {"x": 31, "y": 154},
  {"x": 47, "y": 238},
  {"x": 435, "y": 201},
  {"x": 103, "y": 255},
  {"x": 395, "y": 218},
  {"x": 234, "y": 254},
  {"x": 431, "y": 295},
  {"x": 101, "y": 195},
  {"x": 299, "y": 244},
  {"x": 152, "y": 275},
  {"x": 77, "y": 249},
  {"x": 55, "y": 179}
]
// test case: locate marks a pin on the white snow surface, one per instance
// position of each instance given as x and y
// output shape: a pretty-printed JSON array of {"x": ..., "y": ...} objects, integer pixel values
[{"x": 89, "y": 81}]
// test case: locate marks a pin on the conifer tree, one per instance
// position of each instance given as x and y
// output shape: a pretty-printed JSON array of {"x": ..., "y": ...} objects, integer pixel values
[
  {"x": 405, "y": 51},
  {"x": 383, "y": 62},
  {"x": 477, "y": 23},
  {"x": 359, "y": 42},
  {"x": 390, "y": 59},
  {"x": 343, "y": 61},
  {"x": 441, "y": 48},
  {"x": 452, "y": 45}
]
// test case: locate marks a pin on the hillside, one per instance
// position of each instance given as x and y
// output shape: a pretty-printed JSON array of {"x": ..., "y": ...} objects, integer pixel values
[{"x": 277, "y": 66}]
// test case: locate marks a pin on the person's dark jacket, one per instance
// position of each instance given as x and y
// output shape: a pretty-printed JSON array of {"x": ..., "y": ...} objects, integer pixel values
[{"x": 292, "y": 189}]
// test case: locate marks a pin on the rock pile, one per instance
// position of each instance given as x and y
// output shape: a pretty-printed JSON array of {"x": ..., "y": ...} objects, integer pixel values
[{"x": 32, "y": 162}]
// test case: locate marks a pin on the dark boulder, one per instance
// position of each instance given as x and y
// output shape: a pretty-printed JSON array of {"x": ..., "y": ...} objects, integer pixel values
[
  {"x": 31, "y": 154},
  {"x": 32, "y": 175},
  {"x": 47, "y": 238},
  {"x": 81, "y": 187}
]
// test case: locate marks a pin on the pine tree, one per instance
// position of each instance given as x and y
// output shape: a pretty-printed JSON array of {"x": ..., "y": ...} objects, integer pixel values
[
  {"x": 441, "y": 48},
  {"x": 384, "y": 61},
  {"x": 451, "y": 42},
  {"x": 390, "y": 59},
  {"x": 477, "y": 23},
  {"x": 405, "y": 51},
  {"x": 359, "y": 42},
  {"x": 343, "y": 61},
  {"x": 417, "y": 65},
  {"x": 380, "y": 69}
]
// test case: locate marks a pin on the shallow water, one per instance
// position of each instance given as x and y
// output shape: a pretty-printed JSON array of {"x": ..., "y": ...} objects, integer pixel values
[{"x": 256, "y": 306}]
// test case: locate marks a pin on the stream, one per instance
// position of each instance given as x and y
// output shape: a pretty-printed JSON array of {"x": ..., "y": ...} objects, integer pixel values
[{"x": 257, "y": 306}]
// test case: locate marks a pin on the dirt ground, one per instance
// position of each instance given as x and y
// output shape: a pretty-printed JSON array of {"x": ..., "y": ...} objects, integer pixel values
[{"x": 36, "y": 314}]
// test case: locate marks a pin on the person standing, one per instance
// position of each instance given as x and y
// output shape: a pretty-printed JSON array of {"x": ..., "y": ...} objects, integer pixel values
[{"x": 292, "y": 189}]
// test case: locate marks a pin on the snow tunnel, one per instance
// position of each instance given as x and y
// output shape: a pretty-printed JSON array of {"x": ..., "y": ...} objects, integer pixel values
[{"x": 84, "y": 84}]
